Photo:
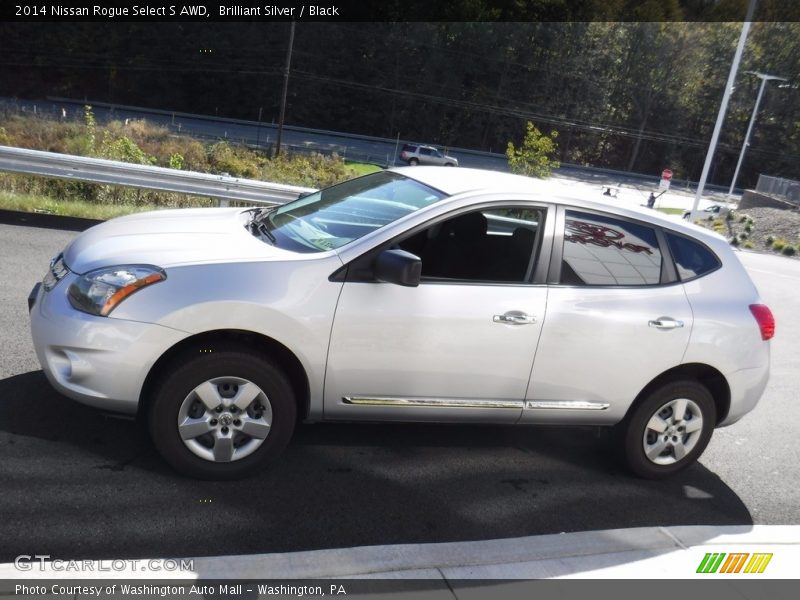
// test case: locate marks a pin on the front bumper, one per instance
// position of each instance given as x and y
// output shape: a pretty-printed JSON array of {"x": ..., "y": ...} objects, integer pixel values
[{"x": 99, "y": 361}]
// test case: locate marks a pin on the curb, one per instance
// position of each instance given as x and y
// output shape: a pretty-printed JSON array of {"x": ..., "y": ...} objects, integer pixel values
[{"x": 645, "y": 552}]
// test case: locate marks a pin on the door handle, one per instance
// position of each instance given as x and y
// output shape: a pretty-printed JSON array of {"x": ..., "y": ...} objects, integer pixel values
[
  {"x": 514, "y": 317},
  {"x": 665, "y": 323}
]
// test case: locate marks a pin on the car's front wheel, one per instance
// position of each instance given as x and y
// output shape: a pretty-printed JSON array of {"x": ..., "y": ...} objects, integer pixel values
[
  {"x": 222, "y": 413},
  {"x": 669, "y": 430},
  {"x": 413, "y": 162}
]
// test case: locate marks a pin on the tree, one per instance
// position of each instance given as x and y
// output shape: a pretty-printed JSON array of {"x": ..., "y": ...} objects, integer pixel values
[{"x": 534, "y": 157}]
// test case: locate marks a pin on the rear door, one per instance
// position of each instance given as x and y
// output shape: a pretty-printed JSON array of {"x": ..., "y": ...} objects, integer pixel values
[{"x": 616, "y": 318}]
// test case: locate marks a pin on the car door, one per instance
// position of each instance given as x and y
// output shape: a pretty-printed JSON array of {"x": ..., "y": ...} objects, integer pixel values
[
  {"x": 617, "y": 317},
  {"x": 460, "y": 345}
]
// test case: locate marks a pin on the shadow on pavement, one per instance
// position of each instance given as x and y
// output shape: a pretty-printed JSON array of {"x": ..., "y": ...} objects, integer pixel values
[{"x": 77, "y": 484}]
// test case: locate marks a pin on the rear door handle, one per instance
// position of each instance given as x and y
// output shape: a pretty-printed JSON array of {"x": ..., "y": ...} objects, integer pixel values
[
  {"x": 514, "y": 317},
  {"x": 665, "y": 323}
]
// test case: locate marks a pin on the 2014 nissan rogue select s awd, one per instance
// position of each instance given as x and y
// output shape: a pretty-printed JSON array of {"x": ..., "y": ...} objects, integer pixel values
[{"x": 412, "y": 294}]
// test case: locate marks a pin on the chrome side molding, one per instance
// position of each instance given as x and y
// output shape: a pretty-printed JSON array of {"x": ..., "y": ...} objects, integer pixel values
[
  {"x": 566, "y": 405},
  {"x": 432, "y": 402}
]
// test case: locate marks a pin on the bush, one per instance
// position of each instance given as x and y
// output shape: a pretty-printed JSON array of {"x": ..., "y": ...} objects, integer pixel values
[
  {"x": 734, "y": 241},
  {"x": 748, "y": 244},
  {"x": 788, "y": 250},
  {"x": 769, "y": 240},
  {"x": 534, "y": 157},
  {"x": 223, "y": 158},
  {"x": 779, "y": 244},
  {"x": 748, "y": 228}
]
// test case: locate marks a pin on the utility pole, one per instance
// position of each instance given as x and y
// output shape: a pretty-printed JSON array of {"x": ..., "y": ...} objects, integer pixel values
[
  {"x": 286, "y": 89},
  {"x": 764, "y": 79},
  {"x": 724, "y": 105},
  {"x": 258, "y": 130}
]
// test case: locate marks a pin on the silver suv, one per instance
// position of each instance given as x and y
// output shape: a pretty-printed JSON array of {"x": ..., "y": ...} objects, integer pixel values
[
  {"x": 424, "y": 294},
  {"x": 415, "y": 154}
]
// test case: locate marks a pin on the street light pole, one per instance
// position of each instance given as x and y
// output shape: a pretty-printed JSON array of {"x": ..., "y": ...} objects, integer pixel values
[
  {"x": 724, "y": 105},
  {"x": 764, "y": 79},
  {"x": 285, "y": 89}
]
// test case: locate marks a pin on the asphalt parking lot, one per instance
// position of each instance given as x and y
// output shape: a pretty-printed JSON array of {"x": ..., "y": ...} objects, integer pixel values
[{"x": 77, "y": 484}]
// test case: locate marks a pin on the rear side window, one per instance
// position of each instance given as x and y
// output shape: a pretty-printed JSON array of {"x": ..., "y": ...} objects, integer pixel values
[
  {"x": 604, "y": 250},
  {"x": 691, "y": 258}
]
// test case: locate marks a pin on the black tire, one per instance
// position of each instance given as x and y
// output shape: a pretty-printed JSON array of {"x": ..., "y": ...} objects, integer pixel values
[
  {"x": 413, "y": 162},
  {"x": 203, "y": 365},
  {"x": 630, "y": 434}
]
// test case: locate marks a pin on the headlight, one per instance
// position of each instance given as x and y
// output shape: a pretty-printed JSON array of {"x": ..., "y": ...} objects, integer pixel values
[
  {"x": 99, "y": 292},
  {"x": 55, "y": 273}
]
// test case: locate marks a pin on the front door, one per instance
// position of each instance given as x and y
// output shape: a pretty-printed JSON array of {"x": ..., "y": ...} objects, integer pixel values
[{"x": 460, "y": 346}]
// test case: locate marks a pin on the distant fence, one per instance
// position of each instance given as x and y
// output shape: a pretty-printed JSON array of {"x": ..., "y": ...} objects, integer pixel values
[
  {"x": 778, "y": 186},
  {"x": 95, "y": 170}
]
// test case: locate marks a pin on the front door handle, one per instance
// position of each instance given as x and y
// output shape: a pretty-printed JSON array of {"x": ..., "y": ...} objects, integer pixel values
[
  {"x": 514, "y": 317},
  {"x": 665, "y": 323}
]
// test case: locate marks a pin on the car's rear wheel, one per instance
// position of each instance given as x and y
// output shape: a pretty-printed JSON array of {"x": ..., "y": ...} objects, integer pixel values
[
  {"x": 669, "y": 430},
  {"x": 222, "y": 413}
]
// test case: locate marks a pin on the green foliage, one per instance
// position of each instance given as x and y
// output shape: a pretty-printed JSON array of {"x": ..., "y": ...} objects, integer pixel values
[
  {"x": 4, "y": 139},
  {"x": 313, "y": 170},
  {"x": 124, "y": 149},
  {"x": 222, "y": 158},
  {"x": 534, "y": 157},
  {"x": 769, "y": 240},
  {"x": 788, "y": 250},
  {"x": 779, "y": 244},
  {"x": 176, "y": 161}
]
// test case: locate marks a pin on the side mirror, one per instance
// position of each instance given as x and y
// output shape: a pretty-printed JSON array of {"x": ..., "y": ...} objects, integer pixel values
[{"x": 399, "y": 267}]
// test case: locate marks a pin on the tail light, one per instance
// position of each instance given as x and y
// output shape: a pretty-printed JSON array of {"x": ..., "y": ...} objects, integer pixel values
[
  {"x": 765, "y": 320},
  {"x": 404, "y": 155}
]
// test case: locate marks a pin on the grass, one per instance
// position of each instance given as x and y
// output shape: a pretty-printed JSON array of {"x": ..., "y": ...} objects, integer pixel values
[
  {"x": 672, "y": 211},
  {"x": 68, "y": 208},
  {"x": 363, "y": 168}
]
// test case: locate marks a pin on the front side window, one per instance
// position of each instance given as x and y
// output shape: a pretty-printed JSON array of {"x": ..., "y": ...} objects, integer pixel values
[
  {"x": 604, "y": 250},
  {"x": 494, "y": 245},
  {"x": 335, "y": 216}
]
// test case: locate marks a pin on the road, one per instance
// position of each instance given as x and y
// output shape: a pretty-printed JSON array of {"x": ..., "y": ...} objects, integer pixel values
[{"x": 76, "y": 484}]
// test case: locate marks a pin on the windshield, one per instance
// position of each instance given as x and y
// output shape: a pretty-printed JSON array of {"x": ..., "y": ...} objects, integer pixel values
[{"x": 335, "y": 216}]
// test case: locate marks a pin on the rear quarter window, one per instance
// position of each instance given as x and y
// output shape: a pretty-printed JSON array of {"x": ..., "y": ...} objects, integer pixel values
[{"x": 692, "y": 259}]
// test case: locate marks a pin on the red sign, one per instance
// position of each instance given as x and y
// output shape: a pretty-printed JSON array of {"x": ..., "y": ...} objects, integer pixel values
[{"x": 666, "y": 174}]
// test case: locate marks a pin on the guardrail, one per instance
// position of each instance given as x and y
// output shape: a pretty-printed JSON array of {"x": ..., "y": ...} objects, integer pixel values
[{"x": 95, "y": 170}]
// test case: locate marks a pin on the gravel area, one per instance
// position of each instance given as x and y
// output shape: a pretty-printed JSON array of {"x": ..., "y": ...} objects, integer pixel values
[{"x": 767, "y": 222}]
